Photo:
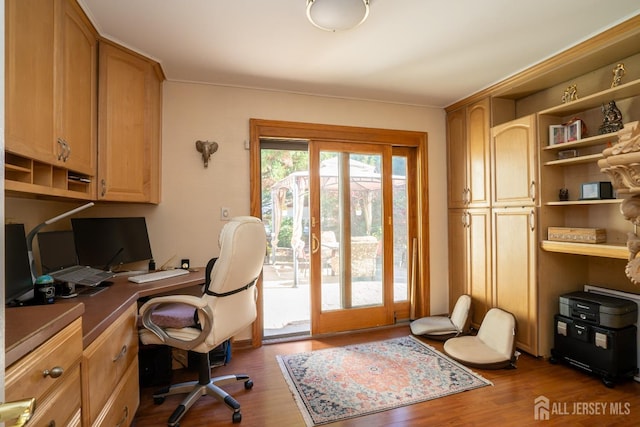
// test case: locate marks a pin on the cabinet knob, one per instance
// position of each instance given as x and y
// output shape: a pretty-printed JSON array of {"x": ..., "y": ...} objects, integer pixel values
[{"x": 55, "y": 372}]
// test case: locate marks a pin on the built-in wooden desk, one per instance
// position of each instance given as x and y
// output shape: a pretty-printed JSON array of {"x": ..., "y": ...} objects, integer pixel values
[
  {"x": 103, "y": 371},
  {"x": 102, "y": 309}
]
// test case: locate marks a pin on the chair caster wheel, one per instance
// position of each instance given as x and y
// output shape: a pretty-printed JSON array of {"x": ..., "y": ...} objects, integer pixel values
[
  {"x": 248, "y": 385},
  {"x": 236, "y": 418},
  {"x": 158, "y": 400}
]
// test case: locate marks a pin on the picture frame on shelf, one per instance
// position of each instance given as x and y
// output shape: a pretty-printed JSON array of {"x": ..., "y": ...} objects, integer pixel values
[
  {"x": 573, "y": 131},
  {"x": 557, "y": 134}
]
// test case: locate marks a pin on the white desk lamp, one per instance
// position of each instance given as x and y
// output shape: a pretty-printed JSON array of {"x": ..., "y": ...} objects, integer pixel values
[{"x": 33, "y": 233}]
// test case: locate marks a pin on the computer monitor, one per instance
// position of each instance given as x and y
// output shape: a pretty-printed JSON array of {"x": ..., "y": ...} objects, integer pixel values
[
  {"x": 57, "y": 250},
  {"x": 105, "y": 242},
  {"x": 17, "y": 272}
]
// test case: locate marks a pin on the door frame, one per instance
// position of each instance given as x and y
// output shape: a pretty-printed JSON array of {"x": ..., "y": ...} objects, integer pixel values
[{"x": 260, "y": 128}]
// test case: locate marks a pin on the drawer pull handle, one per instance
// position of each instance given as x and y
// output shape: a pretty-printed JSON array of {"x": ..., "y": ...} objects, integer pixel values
[
  {"x": 53, "y": 373},
  {"x": 52, "y": 423},
  {"x": 121, "y": 354},
  {"x": 124, "y": 417}
]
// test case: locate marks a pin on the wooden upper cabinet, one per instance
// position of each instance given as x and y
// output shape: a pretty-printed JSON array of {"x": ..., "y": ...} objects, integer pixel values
[
  {"x": 478, "y": 164},
  {"x": 129, "y": 113},
  {"x": 457, "y": 158},
  {"x": 76, "y": 88},
  {"x": 29, "y": 79},
  {"x": 468, "y": 155},
  {"x": 51, "y": 84},
  {"x": 514, "y": 164}
]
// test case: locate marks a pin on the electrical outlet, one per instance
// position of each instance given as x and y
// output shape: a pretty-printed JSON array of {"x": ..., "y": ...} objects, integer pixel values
[{"x": 225, "y": 214}]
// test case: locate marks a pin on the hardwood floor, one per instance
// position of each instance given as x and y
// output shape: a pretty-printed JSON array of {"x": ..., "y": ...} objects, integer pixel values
[{"x": 510, "y": 401}]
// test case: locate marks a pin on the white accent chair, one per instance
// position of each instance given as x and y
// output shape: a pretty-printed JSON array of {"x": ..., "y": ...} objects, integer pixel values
[
  {"x": 443, "y": 327},
  {"x": 227, "y": 307},
  {"x": 494, "y": 347}
]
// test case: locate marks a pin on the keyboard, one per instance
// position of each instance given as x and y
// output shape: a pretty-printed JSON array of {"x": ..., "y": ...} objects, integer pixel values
[{"x": 157, "y": 275}]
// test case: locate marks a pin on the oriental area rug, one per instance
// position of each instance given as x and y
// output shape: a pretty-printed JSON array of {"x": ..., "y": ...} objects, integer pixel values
[{"x": 335, "y": 384}]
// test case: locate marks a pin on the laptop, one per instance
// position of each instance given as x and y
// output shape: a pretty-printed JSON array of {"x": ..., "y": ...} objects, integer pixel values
[{"x": 59, "y": 260}]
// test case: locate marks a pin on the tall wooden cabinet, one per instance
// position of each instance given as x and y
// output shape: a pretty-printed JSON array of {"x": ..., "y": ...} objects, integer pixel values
[
  {"x": 514, "y": 202},
  {"x": 50, "y": 135},
  {"x": 469, "y": 198},
  {"x": 129, "y": 126}
]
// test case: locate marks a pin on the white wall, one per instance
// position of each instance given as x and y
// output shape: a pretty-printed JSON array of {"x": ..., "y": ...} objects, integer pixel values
[{"x": 187, "y": 221}]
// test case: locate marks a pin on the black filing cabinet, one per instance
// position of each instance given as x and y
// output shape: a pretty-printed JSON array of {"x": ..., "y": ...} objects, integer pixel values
[{"x": 596, "y": 334}]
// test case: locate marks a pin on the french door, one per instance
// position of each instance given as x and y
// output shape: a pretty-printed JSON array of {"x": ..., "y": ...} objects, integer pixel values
[
  {"x": 365, "y": 238},
  {"x": 350, "y": 197}
]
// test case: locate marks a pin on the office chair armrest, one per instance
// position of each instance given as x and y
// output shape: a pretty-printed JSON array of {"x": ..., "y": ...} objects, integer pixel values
[{"x": 206, "y": 319}]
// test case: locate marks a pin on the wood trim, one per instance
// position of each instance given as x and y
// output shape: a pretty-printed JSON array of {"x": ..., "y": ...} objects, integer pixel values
[
  {"x": 260, "y": 128},
  {"x": 602, "y": 49}
]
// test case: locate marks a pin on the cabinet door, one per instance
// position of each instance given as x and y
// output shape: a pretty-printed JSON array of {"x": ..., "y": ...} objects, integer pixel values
[
  {"x": 129, "y": 120},
  {"x": 479, "y": 262},
  {"x": 513, "y": 150},
  {"x": 457, "y": 158},
  {"x": 29, "y": 79},
  {"x": 478, "y": 169},
  {"x": 76, "y": 89},
  {"x": 470, "y": 259},
  {"x": 514, "y": 271},
  {"x": 457, "y": 255}
]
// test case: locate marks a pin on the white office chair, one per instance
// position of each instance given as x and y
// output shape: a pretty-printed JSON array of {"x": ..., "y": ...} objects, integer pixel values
[
  {"x": 443, "y": 327},
  {"x": 227, "y": 307}
]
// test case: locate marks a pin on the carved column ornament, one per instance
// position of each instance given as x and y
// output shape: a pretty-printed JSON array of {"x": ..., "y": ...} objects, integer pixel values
[{"x": 622, "y": 164}]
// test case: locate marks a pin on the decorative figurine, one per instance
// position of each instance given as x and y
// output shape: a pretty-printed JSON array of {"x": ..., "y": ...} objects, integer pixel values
[
  {"x": 570, "y": 94},
  {"x": 563, "y": 195},
  {"x": 207, "y": 148},
  {"x": 612, "y": 119},
  {"x": 618, "y": 72}
]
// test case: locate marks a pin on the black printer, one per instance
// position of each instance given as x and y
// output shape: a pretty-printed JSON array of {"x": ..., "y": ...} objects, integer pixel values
[
  {"x": 597, "y": 334},
  {"x": 597, "y": 309}
]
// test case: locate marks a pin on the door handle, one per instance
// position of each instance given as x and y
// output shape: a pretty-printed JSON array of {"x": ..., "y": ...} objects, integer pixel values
[
  {"x": 20, "y": 411},
  {"x": 315, "y": 243}
]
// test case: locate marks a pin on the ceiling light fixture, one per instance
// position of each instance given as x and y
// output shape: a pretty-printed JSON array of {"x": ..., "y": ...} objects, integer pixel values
[{"x": 337, "y": 15}]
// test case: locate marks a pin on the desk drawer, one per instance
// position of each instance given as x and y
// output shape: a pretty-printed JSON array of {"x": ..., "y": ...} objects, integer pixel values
[
  {"x": 123, "y": 404},
  {"x": 26, "y": 378},
  {"x": 61, "y": 406},
  {"x": 105, "y": 362}
]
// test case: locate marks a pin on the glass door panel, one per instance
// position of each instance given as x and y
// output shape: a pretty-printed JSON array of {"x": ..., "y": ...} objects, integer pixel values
[{"x": 348, "y": 237}]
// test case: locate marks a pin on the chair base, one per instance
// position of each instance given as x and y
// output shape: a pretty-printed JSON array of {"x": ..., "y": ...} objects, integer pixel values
[{"x": 205, "y": 386}]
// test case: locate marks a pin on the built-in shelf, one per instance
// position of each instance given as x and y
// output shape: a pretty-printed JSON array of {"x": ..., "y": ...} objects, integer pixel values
[
  {"x": 590, "y": 158},
  {"x": 584, "y": 202},
  {"x": 598, "y": 249},
  {"x": 26, "y": 176},
  {"x": 596, "y": 100},
  {"x": 585, "y": 142}
]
